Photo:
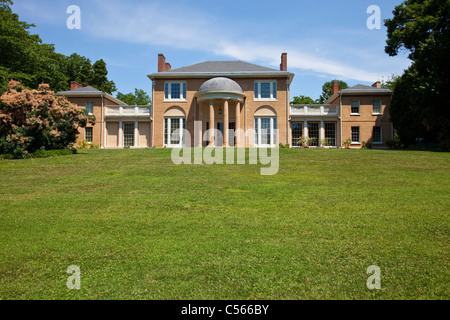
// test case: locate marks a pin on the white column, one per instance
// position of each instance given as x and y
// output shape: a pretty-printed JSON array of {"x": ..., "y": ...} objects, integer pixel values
[
  {"x": 226, "y": 122},
  {"x": 200, "y": 119},
  {"x": 305, "y": 129},
  {"x": 120, "y": 134},
  {"x": 238, "y": 124},
  {"x": 322, "y": 133},
  {"x": 211, "y": 122},
  {"x": 136, "y": 133}
]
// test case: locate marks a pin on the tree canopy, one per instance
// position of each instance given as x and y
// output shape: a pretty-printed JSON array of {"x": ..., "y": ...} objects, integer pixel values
[
  {"x": 419, "y": 107},
  {"x": 25, "y": 58},
  {"x": 327, "y": 90},
  {"x": 140, "y": 97}
]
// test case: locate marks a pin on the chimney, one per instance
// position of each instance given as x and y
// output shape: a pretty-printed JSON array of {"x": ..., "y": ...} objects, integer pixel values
[
  {"x": 335, "y": 86},
  {"x": 377, "y": 85},
  {"x": 75, "y": 85},
  {"x": 163, "y": 66},
  {"x": 283, "y": 65}
]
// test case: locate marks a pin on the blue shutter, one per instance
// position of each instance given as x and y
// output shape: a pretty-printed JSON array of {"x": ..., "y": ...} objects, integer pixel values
[
  {"x": 166, "y": 90},
  {"x": 184, "y": 90},
  {"x": 274, "y": 88},
  {"x": 256, "y": 90}
]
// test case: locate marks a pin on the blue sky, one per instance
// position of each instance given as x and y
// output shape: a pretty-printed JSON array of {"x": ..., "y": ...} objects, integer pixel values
[{"x": 324, "y": 39}]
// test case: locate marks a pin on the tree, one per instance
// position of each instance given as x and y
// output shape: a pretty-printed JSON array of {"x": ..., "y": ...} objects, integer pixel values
[
  {"x": 140, "y": 97},
  {"x": 34, "y": 119},
  {"x": 99, "y": 78},
  {"x": 327, "y": 90},
  {"x": 419, "y": 103},
  {"x": 303, "y": 100}
]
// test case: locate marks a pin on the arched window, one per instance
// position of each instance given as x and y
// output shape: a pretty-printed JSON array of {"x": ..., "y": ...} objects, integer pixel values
[
  {"x": 265, "y": 127},
  {"x": 174, "y": 126}
]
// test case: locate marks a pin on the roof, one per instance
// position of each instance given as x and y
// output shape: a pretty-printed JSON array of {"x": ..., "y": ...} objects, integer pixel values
[
  {"x": 223, "y": 66},
  {"x": 359, "y": 89},
  {"x": 220, "y": 84},
  {"x": 211, "y": 69},
  {"x": 90, "y": 92}
]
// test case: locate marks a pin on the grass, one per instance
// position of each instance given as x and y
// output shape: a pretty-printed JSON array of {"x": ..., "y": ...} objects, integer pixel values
[{"x": 140, "y": 227}]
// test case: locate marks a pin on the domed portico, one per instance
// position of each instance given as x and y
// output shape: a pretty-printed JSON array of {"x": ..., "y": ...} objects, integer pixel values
[{"x": 220, "y": 93}]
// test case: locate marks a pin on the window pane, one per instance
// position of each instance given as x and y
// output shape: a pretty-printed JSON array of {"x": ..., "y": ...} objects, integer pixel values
[
  {"x": 274, "y": 91},
  {"x": 313, "y": 132},
  {"x": 265, "y": 131},
  {"x": 297, "y": 133},
  {"x": 90, "y": 107},
  {"x": 355, "y": 134},
  {"x": 166, "y": 90},
  {"x": 330, "y": 134},
  {"x": 355, "y": 106},
  {"x": 377, "y": 107},
  {"x": 377, "y": 134},
  {"x": 265, "y": 90},
  {"x": 174, "y": 125},
  {"x": 88, "y": 134},
  {"x": 128, "y": 135},
  {"x": 175, "y": 91}
]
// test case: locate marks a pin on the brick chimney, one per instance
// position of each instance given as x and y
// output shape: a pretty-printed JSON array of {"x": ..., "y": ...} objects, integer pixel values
[
  {"x": 163, "y": 66},
  {"x": 75, "y": 85},
  {"x": 335, "y": 86},
  {"x": 283, "y": 65},
  {"x": 377, "y": 85}
]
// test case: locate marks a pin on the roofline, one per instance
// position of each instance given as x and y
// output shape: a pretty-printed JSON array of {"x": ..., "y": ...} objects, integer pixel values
[
  {"x": 90, "y": 94},
  {"x": 361, "y": 92},
  {"x": 208, "y": 75}
]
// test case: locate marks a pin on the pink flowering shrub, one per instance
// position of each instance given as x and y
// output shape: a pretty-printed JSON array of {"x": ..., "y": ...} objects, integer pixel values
[{"x": 32, "y": 120}]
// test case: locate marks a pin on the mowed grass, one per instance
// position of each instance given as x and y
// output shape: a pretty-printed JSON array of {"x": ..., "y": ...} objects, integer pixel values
[{"x": 140, "y": 227}]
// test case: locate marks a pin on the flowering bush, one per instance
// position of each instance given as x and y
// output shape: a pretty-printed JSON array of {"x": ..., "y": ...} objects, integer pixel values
[{"x": 34, "y": 119}]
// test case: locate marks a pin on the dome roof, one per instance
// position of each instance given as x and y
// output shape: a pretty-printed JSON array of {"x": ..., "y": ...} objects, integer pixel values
[{"x": 220, "y": 84}]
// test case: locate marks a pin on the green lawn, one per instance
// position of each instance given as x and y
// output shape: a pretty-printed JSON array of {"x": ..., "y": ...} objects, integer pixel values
[{"x": 140, "y": 227}]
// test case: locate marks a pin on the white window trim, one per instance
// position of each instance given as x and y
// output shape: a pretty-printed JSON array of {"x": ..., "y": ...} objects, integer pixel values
[
  {"x": 272, "y": 134},
  {"x": 359, "y": 108},
  {"x": 258, "y": 82},
  {"x": 381, "y": 137},
  {"x": 381, "y": 108},
  {"x": 169, "y": 145},
  {"x": 85, "y": 135},
  {"x": 169, "y": 99},
  {"x": 359, "y": 136}
]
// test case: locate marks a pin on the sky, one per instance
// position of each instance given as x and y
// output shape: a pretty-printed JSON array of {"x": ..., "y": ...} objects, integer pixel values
[{"x": 324, "y": 39}]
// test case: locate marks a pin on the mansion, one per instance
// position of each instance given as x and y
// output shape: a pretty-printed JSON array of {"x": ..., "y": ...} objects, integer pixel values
[{"x": 234, "y": 97}]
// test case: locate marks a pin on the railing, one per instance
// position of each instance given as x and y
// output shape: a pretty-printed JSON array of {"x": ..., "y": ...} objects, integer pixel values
[
  {"x": 128, "y": 111},
  {"x": 314, "y": 109}
]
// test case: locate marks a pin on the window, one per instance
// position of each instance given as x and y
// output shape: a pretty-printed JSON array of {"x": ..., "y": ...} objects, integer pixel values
[
  {"x": 297, "y": 133},
  {"x": 377, "y": 135},
  {"x": 313, "y": 132},
  {"x": 355, "y": 107},
  {"x": 174, "y": 131},
  {"x": 128, "y": 135},
  {"x": 90, "y": 107},
  {"x": 175, "y": 91},
  {"x": 355, "y": 135},
  {"x": 330, "y": 134},
  {"x": 377, "y": 107},
  {"x": 265, "y": 90},
  {"x": 88, "y": 134},
  {"x": 265, "y": 131}
]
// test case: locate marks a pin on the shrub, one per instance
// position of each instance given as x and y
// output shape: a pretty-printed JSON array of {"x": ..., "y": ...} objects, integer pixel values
[{"x": 34, "y": 119}]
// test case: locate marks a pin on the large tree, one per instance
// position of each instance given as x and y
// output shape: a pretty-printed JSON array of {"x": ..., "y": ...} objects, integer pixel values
[
  {"x": 303, "y": 100},
  {"x": 140, "y": 98},
  {"x": 419, "y": 107},
  {"x": 327, "y": 90}
]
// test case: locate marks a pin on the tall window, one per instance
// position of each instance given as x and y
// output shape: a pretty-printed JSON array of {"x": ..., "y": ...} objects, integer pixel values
[
  {"x": 174, "y": 131},
  {"x": 377, "y": 107},
  {"x": 313, "y": 132},
  {"x": 355, "y": 134},
  {"x": 377, "y": 135},
  {"x": 128, "y": 135},
  {"x": 355, "y": 107},
  {"x": 297, "y": 133},
  {"x": 88, "y": 134},
  {"x": 330, "y": 133},
  {"x": 90, "y": 107},
  {"x": 265, "y": 90},
  {"x": 175, "y": 91},
  {"x": 265, "y": 131}
]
